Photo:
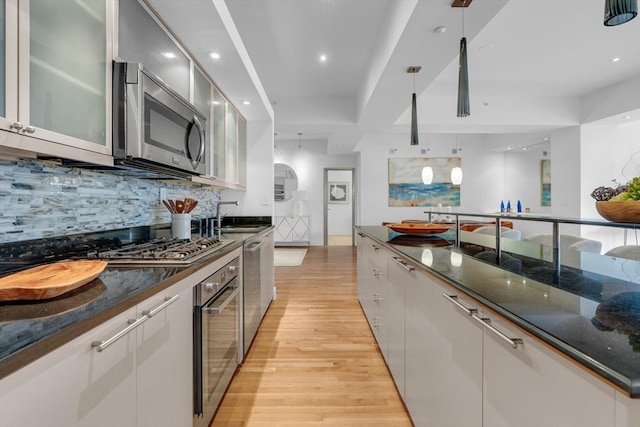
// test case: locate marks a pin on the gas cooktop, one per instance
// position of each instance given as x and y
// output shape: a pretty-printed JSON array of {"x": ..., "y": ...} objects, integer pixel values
[{"x": 161, "y": 251}]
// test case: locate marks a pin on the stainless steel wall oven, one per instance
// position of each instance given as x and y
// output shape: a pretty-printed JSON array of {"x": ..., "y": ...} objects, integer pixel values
[{"x": 217, "y": 338}]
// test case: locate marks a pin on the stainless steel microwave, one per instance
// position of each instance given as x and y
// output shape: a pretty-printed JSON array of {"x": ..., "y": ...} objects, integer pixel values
[{"x": 154, "y": 128}]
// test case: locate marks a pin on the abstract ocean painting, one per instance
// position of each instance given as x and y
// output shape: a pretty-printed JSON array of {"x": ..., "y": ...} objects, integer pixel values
[
  {"x": 406, "y": 187},
  {"x": 545, "y": 182}
]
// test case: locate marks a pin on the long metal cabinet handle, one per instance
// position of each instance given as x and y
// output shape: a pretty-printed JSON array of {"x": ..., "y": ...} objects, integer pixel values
[
  {"x": 374, "y": 247},
  {"x": 133, "y": 323},
  {"x": 167, "y": 302},
  {"x": 486, "y": 322},
  {"x": 255, "y": 246},
  {"x": 403, "y": 264},
  {"x": 454, "y": 299},
  {"x": 218, "y": 310}
]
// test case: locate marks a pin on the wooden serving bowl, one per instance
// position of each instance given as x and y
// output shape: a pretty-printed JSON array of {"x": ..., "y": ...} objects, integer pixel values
[{"x": 619, "y": 211}]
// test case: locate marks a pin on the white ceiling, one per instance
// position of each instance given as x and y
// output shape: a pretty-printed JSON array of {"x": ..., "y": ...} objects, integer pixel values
[{"x": 529, "y": 62}]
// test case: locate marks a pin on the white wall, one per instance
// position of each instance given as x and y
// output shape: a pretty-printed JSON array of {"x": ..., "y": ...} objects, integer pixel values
[
  {"x": 257, "y": 200},
  {"x": 482, "y": 186},
  {"x": 621, "y": 143},
  {"x": 309, "y": 162}
]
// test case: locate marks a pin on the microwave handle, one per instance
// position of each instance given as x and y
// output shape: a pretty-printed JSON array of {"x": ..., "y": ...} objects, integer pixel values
[{"x": 195, "y": 161}]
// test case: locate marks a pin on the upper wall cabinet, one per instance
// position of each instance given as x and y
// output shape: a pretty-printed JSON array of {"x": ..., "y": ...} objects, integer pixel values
[
  {"x": 56, "y": 75},
  {"x": 141, "y": 39},
  {"x": 229, "y": 143}
]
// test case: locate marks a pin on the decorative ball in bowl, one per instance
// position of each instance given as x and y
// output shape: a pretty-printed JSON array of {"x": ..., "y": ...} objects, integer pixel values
[{"x": 619, "y": 211}]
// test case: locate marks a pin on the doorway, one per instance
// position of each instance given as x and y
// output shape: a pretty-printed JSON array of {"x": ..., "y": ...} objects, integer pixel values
[{"x": 339, "y": 206}]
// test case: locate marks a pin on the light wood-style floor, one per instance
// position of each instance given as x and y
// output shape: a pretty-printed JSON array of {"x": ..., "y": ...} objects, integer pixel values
[{"x": 314, "y": 361}]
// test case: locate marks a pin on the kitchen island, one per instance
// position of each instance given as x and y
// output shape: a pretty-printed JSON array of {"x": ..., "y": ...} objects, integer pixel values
[{"x": 417, "y": 295}]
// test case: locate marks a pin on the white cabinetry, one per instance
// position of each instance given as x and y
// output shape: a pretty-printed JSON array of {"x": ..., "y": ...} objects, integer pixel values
[
  {"x": 229, "y": 144},
  {"x": 292, "y": 229},
  {"x": 164, "y": 359},
  {"x": 58, "y": 78},
  {"x": 456, "y": 362},
  {"x": 374, "y": 297},
  {"x": 531, "y": 386},
  {"x": 400, "y": 275},
  {"x": 75, "y": 385},
  {"x": 142, "y": 379}
]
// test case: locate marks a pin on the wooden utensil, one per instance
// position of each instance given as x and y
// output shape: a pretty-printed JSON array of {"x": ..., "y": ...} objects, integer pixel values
[
  {"x": 189, "y": 204},
  {"x": 173, "y": 206},
  {"x": 168, "y": 206},
  {"x": 179, "y": 206},
  {"x": 48, "y": 281}
]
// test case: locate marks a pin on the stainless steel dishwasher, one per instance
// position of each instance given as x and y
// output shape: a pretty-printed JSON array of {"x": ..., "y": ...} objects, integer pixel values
[{"x": 252, "y": 292}]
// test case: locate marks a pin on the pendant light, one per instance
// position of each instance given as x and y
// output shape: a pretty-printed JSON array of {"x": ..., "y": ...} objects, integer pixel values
[
  {"x": 427, "y": 171},
  {"x": 456, "y": 172},
  {"x": 463, "y": 72},
  {"x": 618, "y": 12},
  {"x": 427, "y": 175},
  {"x": 414, "y": 109}
]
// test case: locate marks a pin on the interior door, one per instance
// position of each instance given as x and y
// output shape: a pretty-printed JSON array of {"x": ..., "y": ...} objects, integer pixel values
[{"x": 339, "y": 206}]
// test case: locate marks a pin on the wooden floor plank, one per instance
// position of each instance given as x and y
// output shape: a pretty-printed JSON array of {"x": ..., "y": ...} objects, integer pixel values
[{"x": 314, "y": 361}]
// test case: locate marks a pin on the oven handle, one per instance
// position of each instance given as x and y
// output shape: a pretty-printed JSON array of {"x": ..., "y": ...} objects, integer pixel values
[{"x": 218, "y": 310}]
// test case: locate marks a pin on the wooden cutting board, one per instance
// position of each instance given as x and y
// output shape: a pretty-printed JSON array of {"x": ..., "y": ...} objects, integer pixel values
[{"x": 48, "y": 281}]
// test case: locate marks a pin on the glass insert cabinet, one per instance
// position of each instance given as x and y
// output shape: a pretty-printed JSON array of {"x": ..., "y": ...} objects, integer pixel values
[{"x": 56, "y": 62}]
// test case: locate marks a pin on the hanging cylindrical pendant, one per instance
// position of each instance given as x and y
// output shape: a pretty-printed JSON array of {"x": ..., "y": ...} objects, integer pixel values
[
  {"x": 414, "y": 120},
  {"x": 463, "y": 81},
  {"x": 618, "y": 12}
]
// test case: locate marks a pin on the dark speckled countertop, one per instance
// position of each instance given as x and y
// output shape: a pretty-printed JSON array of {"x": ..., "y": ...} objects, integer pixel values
[
  {"x": 579, "y": 325},
  {"x": 30, "y": 329}
]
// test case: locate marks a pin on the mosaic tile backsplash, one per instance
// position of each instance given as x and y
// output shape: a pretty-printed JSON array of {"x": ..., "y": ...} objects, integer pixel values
[{"x": 41, "y": 199}]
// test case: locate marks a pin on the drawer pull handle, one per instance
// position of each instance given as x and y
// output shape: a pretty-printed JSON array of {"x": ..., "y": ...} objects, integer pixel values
[
  {"x": 374, "y": 247},
  {"x": 454, "y": 300},
  {"x": 403, "y": 264},
  {"x": 133, "y": 323},
  {"x": 486, "y": 322},
  {"x": 376, "y": 297},
  {"x": 377, "y": 272},
  {"x": 167, "y": 302}
]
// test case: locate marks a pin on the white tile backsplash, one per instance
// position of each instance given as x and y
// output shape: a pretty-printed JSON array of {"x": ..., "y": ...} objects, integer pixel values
[{"x": 41, "y": 199}]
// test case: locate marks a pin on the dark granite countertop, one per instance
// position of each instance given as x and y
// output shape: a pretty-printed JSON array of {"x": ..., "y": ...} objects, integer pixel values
[
  {"x": 31, "y": 329},
  {"x": 599, "y": 330}
]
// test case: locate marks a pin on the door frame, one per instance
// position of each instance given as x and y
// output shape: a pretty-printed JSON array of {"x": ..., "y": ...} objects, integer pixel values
[{"x": 325, "y": 202}]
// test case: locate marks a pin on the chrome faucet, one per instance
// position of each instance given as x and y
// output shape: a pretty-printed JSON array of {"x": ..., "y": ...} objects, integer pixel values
[{"x": 218, "y": 216}]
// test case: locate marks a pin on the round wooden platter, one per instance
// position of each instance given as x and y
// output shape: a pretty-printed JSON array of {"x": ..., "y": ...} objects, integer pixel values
[
  {"x": 415, "y": 228},
  {"x": 619, "y": 211},
  {"x": 49, "y": 281}
]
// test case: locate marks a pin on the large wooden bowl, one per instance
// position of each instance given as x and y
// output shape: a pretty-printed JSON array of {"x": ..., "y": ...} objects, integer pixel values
[{"x": 619, "y": 211}]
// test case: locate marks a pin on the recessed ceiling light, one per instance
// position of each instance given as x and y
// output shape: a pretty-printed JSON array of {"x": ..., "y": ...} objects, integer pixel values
[
  {"x": 627, "y": 117},
  {"x": 246, "y": 102},
  {"x": 169, "y": 55},
  {"x": 215, "y": 55},
  {"x": 616, "y": 59},
  {"x": 485, "y": 47},
  {"x": 440, "y": 30},
  {"x": 524, "y": 149},
  {"x": 323, "y": 57}
]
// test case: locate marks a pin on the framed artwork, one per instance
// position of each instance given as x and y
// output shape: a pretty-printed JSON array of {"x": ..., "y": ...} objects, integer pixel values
[
  {"x": 545, "y": 182},
  {"x": 407, "y": 189},
  {"x": 338, "y": 192}
]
